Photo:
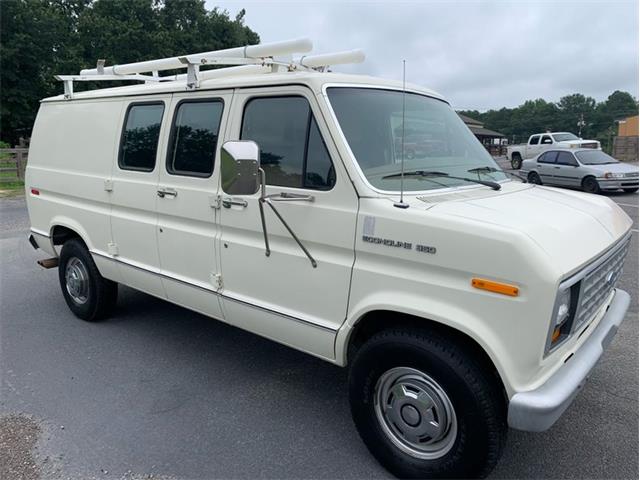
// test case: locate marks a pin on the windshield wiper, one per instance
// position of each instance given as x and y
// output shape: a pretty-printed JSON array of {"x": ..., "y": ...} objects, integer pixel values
[
  {"x": 432, "y": 173},
  {"x": 480, "y": 170}
]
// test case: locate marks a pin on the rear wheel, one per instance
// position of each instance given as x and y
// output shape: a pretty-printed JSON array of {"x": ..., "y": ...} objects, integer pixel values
[
  {"x": 590, "y": 185},
  {"x": 533, "y": 177},
  {"x": 630, "y": 190},
  {"x": 516, "y": 161},
  {"x": 425, "y": 408},
  {"x": 88, "y": 294}
]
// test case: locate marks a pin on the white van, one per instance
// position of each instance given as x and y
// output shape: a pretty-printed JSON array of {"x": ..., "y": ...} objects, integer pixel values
[{"x": 462, "y": 302}]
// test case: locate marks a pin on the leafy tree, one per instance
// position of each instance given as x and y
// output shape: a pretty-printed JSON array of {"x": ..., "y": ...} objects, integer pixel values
[
  {"x": 41, "y": 38},
  {"x": 535, "y": 116}
]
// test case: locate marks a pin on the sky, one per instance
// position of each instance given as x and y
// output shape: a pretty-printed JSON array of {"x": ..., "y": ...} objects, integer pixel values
[{"x": 478, "y": 54}]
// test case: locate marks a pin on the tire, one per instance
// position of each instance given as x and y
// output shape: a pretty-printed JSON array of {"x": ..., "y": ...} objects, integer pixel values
[
  {"x": 533, "y": 177},
  {"x": 88, "y": 294},
  {"x": 472, "y": 430},
  {"x": 516, "y": 161},
  {"x": 590, "y": 185},
  {"x": 630, "y": 190}
]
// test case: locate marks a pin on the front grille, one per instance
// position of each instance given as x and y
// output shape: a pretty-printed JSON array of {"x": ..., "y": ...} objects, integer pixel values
[
  {"x": 597, "y": 285},
  {"x": 589, "y": 145}
]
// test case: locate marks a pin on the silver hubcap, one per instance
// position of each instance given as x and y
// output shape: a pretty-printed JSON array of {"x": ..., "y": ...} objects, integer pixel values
[
  {"x": 77, "y": 280},
  {"x": 415, "y": 413}
]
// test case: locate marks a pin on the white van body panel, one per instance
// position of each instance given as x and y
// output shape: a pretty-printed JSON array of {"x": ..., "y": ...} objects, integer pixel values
[{"x": 212, "y": 260}]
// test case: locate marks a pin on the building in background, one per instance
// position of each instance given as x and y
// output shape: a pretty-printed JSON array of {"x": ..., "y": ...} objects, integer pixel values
[
  {"x": 494, "y": 142},
  {"x": 625, "y": 145}
]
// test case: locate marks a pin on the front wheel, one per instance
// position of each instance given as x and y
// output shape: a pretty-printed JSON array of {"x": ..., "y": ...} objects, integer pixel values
[
  {"x": 88, "y": 294},
  {"x": 534, "y": 178},
  {"x": 425, "y": 408},
  {"x": 590, "y": 185},
  {"x": 516, "y": 161}
]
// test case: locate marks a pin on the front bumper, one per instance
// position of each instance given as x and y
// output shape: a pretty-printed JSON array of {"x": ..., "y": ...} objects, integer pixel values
[
  {"x": 617, "y": 183},
  {"x": 537, "y": 410}
]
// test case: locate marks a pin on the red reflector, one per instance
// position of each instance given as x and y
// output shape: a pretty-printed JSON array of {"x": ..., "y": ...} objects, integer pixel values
[{"x": 35, "y": 191}]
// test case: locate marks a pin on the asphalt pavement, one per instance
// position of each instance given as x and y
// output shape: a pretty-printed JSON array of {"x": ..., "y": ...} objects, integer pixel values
[{"x": 161, "y": 392}]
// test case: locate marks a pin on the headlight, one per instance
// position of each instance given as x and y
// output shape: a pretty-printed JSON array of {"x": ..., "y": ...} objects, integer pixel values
[
  {"x": 563, "y": 312},
  {"x": 564, "y": 307},
  {"x": 613, "y": 175}
]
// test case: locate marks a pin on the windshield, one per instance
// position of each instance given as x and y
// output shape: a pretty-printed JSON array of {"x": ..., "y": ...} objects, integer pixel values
[
  {"x": 595, "y": 157},
  {"x": 435, "y": 139},
  {"x": 564, "y": 137}
]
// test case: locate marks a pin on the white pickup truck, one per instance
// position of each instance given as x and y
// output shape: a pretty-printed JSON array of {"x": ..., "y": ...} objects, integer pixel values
[{"x": 541, "y": 142}]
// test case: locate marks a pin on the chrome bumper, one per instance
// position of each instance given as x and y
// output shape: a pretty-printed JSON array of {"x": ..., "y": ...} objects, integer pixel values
[{"x": 537, "y": 410}]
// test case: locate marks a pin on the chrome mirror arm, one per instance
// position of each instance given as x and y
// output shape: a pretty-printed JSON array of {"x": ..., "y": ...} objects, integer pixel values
[{"x": 268, "y": 200}]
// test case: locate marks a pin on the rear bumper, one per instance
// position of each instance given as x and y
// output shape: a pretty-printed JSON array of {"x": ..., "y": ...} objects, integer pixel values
[{"x": 537, "y": 410}]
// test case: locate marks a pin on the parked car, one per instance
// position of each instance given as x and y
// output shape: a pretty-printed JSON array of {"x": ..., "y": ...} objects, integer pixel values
[
  {"x": 273, "y": 201},
  {"x": 541, "y": 142},
  {"x": 591, "y": 170}
]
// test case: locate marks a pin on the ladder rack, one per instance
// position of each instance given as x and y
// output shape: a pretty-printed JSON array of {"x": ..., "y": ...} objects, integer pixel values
[{"x": 251, "y": 59}]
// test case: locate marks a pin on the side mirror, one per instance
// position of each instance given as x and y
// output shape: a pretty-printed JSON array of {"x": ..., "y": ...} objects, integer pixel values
[{"x": 240, "y": 167}]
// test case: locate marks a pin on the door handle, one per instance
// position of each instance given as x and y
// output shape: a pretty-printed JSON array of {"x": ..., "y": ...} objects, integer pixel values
[
  {"x": 167, "y": 192},
  {"x": 557, "y": 167},
  {"x": 228, "y": 202}
]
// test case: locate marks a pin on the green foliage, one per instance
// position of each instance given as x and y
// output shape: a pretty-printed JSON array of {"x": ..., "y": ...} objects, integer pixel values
[
  {"x": 535, "y": 116},
  {"x": 41, "y": 38}
]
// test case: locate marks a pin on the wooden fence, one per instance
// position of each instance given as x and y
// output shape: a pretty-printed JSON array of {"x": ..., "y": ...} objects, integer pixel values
[{"x": 13, "y": 162}]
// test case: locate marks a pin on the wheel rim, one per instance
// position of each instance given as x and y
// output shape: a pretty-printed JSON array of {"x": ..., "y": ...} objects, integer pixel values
[
  {"x": 591, "y": 185},
  {"x": 415, "y": 413},
  {"x": 77, "y": 280}
]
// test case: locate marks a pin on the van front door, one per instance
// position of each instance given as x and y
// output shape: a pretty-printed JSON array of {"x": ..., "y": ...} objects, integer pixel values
[
  {"x": 188, "y": 229},
  {"x": 283, "y": 296}
]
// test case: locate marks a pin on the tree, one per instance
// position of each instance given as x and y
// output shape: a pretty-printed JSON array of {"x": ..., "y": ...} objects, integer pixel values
[{"x": 41, "y": 38}]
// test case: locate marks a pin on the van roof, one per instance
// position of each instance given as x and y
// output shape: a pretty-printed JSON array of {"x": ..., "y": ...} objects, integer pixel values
[{"x": 314, "y": 80}]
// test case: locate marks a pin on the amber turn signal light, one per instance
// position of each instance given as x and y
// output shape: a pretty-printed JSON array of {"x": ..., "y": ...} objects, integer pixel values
[{"x": 496, "y": 287}]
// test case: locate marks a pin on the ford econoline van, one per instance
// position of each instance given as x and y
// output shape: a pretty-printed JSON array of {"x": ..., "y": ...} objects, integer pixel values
[{"x": 276, "y": 196}]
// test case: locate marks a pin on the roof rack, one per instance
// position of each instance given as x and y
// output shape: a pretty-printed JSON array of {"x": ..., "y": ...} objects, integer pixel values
[{"x": 251, "y": 59}]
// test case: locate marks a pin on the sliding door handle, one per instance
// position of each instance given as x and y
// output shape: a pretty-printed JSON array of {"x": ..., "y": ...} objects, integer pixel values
[
  {"x": 228, "y": 202},
  {"x": 167, "y": 192}
]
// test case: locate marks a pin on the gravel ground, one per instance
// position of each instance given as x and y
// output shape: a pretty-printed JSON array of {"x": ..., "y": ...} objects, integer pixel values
[{"x": 18, "y": 437}]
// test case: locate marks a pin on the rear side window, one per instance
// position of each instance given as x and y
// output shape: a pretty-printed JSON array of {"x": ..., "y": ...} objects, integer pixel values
[
  {"x": 566, "y": 158},
  {"x": 534, "y": 140},
  {"x": 292, "y": 152},
  {"x": 194, "y": 137},
  {"x": 139, "y": 143},
  {"x": 548, "y": 157}
]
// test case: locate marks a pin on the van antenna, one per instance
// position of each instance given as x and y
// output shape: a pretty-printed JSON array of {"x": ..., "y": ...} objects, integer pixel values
[{"x": 401, "y": 203}]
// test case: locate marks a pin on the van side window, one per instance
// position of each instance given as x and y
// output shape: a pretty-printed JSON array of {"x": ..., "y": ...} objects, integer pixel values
[
  {"x": 292, "y": 152},
  {"x": 139, "y": 143},
  {"x": 194, "y": 137}
]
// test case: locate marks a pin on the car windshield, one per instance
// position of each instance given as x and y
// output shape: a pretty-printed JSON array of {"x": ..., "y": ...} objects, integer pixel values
[
  {"x": 435, "y": 139},
  {"x": 595, "y": 157},
  {"x": 564, "y": 137}
]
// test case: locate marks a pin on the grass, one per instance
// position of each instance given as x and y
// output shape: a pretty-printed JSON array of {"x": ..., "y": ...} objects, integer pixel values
[{"x": 11, "y": 189}]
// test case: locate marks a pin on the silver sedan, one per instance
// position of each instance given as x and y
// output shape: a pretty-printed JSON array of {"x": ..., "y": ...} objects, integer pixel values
[{"x": 591, "y": 170}]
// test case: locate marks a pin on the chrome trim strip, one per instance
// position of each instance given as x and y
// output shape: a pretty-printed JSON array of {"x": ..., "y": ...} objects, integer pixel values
[
  {"x": 40, "y": 232},
  {"x": 213, "y": 291}
]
